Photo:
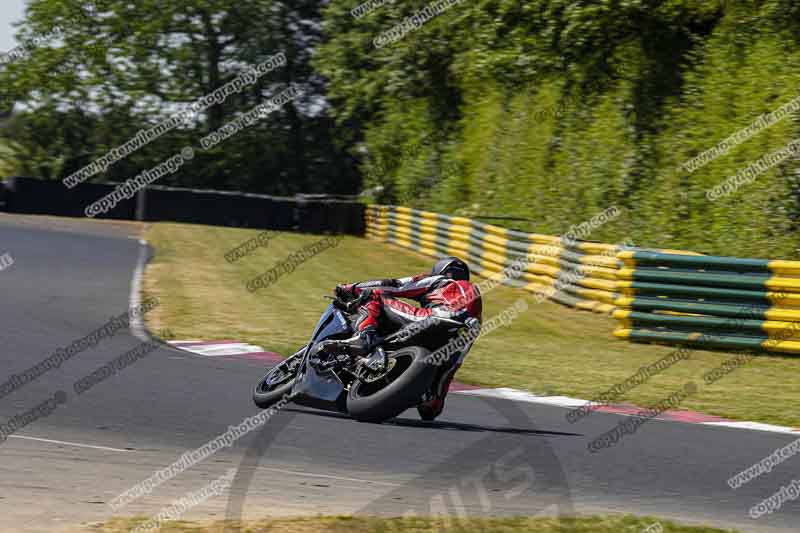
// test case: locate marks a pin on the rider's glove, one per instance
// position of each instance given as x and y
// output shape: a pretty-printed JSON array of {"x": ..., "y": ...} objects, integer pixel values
[{"x": 346, "y": 292}]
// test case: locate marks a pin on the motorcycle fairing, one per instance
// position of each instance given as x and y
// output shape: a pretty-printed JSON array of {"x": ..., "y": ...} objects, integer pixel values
[{"x": 322, "y": 390}]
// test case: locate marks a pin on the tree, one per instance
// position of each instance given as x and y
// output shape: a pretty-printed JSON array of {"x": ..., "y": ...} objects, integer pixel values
[{"x": 128, "y": 66}]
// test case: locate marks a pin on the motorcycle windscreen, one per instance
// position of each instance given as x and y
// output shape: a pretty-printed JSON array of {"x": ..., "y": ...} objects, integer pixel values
[{"x": 322, "y": 389}]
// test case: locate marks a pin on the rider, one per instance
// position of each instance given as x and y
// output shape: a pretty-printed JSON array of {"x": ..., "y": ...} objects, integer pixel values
[{"x": 446, "y": 291}]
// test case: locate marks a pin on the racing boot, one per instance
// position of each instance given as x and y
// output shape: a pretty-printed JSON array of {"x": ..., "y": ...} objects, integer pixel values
[
  {"x": 363, "y": 343},
  {"x": 365, "y": 348},
  {"x": 433, "y": 407}
]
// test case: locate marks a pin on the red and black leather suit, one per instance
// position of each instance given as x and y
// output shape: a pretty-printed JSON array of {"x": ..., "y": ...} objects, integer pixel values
[{"x": 435, "y": 294}]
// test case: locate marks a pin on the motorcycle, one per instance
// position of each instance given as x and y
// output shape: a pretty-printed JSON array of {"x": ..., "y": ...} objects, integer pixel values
[{"x": 403, "y": 371}]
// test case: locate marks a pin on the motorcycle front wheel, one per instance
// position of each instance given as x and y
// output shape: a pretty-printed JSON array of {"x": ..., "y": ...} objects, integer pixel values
[{"x": 277, "y": 383}]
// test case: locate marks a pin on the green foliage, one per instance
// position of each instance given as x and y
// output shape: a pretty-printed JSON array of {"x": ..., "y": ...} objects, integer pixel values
[{"x": 554, "y": 110}]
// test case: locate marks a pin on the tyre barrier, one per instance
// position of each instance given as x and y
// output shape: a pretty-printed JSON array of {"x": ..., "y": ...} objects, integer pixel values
[
  {"x": 574, "y": 273},
  {"x": 709, "y": 301}
]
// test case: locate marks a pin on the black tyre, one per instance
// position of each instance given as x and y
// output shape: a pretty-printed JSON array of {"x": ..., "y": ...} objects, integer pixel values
[
  {"x": 277, "y": 383},
  {"x": 377, "y": 398}
]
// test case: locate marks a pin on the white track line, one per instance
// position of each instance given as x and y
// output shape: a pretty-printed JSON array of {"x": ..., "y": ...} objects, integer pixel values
[
  {"x": 525, "y": 396},
  {"x": 219, "y": 350},
  {"x": 569, "y": 403},
  {"x": 325, "y": 476},
  {"x": 77, "y": 444},
  {"x": 755, "y": 426},
  {"x": 137, "y": 325}
]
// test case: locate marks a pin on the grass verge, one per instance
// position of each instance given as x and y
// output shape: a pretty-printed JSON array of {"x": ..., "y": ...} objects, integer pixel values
[
  {"x": 424, "y": 525},
  {"x": 550, "y": 349}
]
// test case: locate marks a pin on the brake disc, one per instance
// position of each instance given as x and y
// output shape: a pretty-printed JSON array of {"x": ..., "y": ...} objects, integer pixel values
[{"x": 367, "y": 374}]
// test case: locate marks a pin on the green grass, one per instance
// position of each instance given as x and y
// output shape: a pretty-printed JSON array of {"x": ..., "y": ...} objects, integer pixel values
[
  {"x": 621, "y": 524},
  {"x": 549, "y": 349}
]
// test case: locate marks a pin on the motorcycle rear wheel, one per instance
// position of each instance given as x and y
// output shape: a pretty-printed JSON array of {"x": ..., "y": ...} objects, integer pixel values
[{"x": 378, "y": 398}]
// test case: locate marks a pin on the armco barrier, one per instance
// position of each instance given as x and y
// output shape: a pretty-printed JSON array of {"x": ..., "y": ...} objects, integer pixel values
[
  {"x": 714, "y": 302},
  {"x": 219, "y": 208},
  {"x": 577, "y": 274}
]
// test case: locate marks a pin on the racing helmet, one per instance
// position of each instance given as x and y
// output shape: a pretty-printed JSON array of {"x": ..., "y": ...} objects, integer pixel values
[{"x": 451, "y": 267}]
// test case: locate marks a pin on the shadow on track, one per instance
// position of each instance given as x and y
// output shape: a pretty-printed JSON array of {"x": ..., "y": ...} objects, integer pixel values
[{"x": 448, "y": 426}]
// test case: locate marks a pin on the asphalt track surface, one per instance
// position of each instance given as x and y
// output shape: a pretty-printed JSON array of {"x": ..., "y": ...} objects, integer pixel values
[{"x": 481, "y": 458}]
